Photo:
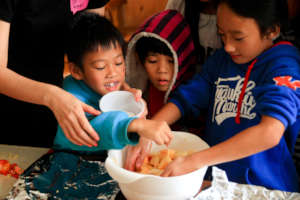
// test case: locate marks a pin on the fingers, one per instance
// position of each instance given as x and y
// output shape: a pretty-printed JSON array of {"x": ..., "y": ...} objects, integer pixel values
[
  {"x": 87, "y": 133},
  {"x": 164, "y": 135},
  {"x": 69, "y": 132},
  {"x": 131, "y": 157},
  {"x": 90, "y": 109},
  {"x": 143, "y": 154},
  {"x": 138, "y": 94},
  {"x": 165, "y": 173},
  {"x": 78, "y": 132}
]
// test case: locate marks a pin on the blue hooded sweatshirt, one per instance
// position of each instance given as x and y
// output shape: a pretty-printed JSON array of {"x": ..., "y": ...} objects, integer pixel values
[
  {"x": 111, "y": 126},
  {"x": 272, "y": 88}
]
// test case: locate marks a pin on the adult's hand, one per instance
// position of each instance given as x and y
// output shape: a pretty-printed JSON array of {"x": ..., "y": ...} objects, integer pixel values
[
  {"x": 70, "y": 114},
  {"x": 135, "y": 155}
]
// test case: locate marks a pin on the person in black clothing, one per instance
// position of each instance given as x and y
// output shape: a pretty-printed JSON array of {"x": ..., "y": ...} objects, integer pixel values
[{"x": 32, "y": 44}]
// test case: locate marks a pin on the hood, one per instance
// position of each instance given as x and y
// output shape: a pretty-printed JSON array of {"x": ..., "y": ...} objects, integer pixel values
[
  {"x": 170, "y": 27},
  {"x": 279, "y": 54}
]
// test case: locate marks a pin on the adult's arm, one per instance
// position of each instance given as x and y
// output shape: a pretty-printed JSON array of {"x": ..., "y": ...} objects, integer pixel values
[{"x": 68, "y": 110}]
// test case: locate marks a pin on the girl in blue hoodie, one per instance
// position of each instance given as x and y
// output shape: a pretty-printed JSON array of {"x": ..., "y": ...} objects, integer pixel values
[{"x": 252, "y": 90}]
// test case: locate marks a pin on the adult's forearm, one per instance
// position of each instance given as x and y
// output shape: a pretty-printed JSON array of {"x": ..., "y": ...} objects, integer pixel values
[{"x": 25, "y": 89}]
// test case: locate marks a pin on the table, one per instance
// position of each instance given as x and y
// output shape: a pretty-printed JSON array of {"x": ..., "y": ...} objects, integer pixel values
[{"x": 24, "y": 156}]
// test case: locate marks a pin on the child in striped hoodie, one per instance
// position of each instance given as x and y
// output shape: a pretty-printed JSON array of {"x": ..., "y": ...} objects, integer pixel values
[{"x": 161, "y": 56}]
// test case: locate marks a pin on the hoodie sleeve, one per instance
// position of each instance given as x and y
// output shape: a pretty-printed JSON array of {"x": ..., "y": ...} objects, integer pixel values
[
  {"x": 279, "y": 97},
  {"x": 112, "y": 129},
  {"x": 194, "y": 96}
]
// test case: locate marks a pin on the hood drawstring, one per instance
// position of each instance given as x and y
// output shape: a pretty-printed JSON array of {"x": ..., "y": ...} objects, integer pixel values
[{"x": 242, "y": 94}]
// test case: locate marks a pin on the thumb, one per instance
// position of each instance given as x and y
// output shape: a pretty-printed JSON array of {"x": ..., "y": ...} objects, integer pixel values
[{"x": 90, "y": 109}]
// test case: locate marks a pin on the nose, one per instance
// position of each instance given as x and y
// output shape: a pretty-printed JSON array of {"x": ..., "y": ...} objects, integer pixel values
[
  {"x": 163, "y": 66},
  {"x": 228, "y": 46},
  {"x": 111, "y": 71}
]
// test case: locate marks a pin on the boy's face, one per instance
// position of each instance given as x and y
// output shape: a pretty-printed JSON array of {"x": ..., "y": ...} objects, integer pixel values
[
  {"x": 160, "y": 69},
  {"x": 104, "y": 69},
  {"x": 241, "y": 36}
]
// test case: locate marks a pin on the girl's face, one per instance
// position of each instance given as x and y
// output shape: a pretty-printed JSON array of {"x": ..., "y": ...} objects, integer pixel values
[
  {"x": 104, "y": 69},
  {"x": 160, "y": 69},
  {"x": 241, "y": 36}
]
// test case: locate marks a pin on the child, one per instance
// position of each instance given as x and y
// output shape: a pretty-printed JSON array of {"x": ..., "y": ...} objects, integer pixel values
[
  {"x": 251, "y": 88},
  {"x": 97, "y": 67},
  {"x": 165, "y": 58}
]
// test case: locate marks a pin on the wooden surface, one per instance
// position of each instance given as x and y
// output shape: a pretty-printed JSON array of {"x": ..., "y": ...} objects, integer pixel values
[{"x": 23, "y": 156}]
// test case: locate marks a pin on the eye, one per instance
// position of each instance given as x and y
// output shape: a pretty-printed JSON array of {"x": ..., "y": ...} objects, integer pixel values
[
  {"x": 119, "y": 63},
  {"x": 100, "y": 68},
  {"x": 239, "y": 39},
  {"x": 171, "y": 61},
  {"x": 151, "y": 60}
]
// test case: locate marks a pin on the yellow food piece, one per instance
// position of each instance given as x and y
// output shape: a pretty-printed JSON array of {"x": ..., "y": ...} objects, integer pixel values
[{"x": 155, "y": 163}]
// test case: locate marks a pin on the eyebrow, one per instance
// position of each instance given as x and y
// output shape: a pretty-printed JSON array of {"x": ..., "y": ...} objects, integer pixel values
[
  {"x": 103, "y": 60},
  {"x": 235, "y": 32}
]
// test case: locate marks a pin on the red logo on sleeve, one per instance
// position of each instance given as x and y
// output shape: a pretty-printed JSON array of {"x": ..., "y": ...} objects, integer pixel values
[{"x": 286, "y": 81}]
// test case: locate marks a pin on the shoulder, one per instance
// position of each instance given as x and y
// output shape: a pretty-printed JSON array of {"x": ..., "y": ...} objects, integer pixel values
[
  {"x": 178, "y": 5},
  {"x": 75, "y": 87},
  {"x": 284, "y": 60}
]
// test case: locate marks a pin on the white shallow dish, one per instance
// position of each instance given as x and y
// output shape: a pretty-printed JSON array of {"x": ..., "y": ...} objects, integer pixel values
[{"x": 136, "y": 186}]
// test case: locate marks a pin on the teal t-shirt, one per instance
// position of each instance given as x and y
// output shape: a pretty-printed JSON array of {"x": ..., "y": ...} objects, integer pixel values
[{"x": 111, "y": 126}]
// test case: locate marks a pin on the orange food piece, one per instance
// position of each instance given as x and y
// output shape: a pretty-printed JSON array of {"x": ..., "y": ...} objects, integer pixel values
[{"x": 155, "y": 163}]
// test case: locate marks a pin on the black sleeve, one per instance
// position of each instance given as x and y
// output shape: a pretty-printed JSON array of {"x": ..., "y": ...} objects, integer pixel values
[
  {"x": 7, "y": 8},
  {"x": 96, "y": 3}
]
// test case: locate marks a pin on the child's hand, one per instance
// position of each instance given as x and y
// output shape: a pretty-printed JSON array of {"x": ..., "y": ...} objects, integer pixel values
[
  {"x": 180, "y": 166},
  {"x": 158, "y": 131},
  {"x": 135, "y": 155},
  {"x": 137, "y": 93}
]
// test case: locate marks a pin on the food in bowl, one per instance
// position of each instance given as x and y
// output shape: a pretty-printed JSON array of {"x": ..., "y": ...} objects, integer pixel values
[
  {"x": 138, "y": 186},
  {"x": 155, "y": 163}
]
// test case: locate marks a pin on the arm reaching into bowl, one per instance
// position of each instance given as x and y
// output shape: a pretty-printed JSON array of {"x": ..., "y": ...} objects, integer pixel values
[
  {"x": 116, "y": 130},
  {"x": 136, "y": 154},
  {"x": 158, "y": 131}
]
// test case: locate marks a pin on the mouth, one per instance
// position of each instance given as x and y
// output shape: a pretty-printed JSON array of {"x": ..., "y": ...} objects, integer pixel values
[
  {"x": 163, "y": 82},
  {"x": 112, "y": 86},
  {"x": 234, "y": 56}
]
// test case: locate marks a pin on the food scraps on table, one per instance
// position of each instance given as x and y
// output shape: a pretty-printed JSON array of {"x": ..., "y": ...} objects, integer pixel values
[
  {"x": 8, "y": 169},
  {"x": 155, "y": 163}
]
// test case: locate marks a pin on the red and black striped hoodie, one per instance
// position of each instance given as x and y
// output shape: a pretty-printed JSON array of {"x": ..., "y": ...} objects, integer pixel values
[{"x": 170, "y": 27}]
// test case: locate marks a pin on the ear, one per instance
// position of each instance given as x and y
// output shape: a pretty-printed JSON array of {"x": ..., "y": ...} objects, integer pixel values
[
  {"x": 273, "y": 32},
  {"x": 75, "y": 71}
]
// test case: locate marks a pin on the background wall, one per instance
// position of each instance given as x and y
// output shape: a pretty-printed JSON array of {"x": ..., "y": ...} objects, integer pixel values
[{"x": 127, "y": 15}]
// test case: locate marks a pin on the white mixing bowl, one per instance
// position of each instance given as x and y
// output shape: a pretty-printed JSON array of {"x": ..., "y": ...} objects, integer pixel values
[{"x": 136, "y": 186}]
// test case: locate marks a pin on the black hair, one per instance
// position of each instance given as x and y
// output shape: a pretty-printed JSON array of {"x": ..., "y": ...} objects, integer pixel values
[
  {"x": 267, "y": 13},
  {"x": 146, "y": 45},
  {"x": 88, "y": 32}
]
